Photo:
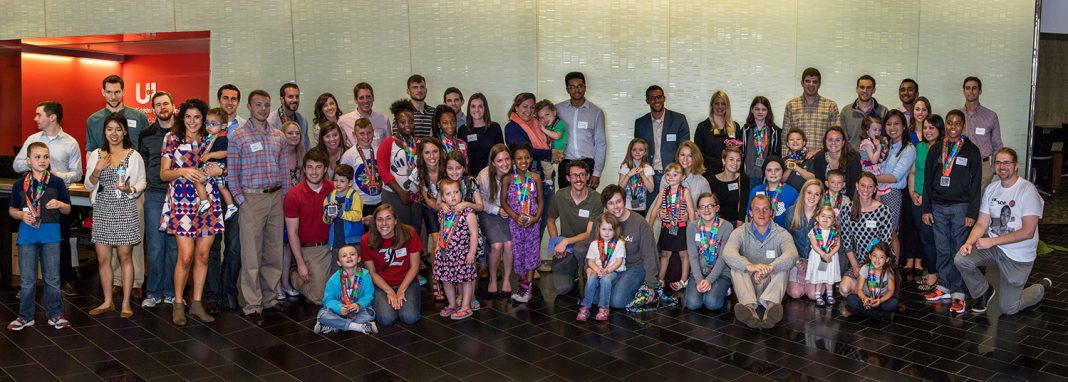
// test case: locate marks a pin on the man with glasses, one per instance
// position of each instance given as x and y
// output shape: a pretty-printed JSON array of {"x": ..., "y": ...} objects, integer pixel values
[
  {"x": 1005, "y": 236},
  {"x": 586, "y": 140},
  {"x": 663, "y": 130},
  {"x": 576, "y": 206},
  {"x": 760, "y": 255},
  {"x": 951, "y": 195}
]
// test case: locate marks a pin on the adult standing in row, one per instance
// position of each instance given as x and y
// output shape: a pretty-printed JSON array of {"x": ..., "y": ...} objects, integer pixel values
[
  {"x": 641, "y": 260},
  {"x": 229, "y": 98},
  {"x": 256, "y": 166},
  {"x": 161, "y": 249},
  {"x": 762, "y": 139},
  {"x": 480, "y": 132},
  {"x": 864, "y": 106},
  {"x": 835, "y": 155},
  {"x": 524, "y": 128},
  {"x": 494, "y": 220},
  {"x": 983, "y": 128},
  {"x": 326, "y": 109},
  {"x": 810, "y": 112},
  {"x": 289, "y": 96},
  {"x": 422, "y": 113},
  {"x": 716, "y": 133},
  {"x": 221, "y": 289},
  {"x": 895, "y": 170},
  {"x": 906, "y": 93},
  {"x": 66, "y": 163},
  {"x": 663, "y": 130},
  {"x": 921, "y": 110},
  {"x": 587, "y": 140},
  {"x": 116, "y": 181},
  {"x": 951, "y": 196},
  {"x": 293, "y": 155},
  {"x": 364, "y": 96},
  {"x": 332, "y": 143},
  {"x": 933, "y": 130}
]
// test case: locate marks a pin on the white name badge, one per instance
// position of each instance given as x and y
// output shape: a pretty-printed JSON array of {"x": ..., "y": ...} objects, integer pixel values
[
  {"x": 584, "y": 213},
  {"x": 583, "y": 125},
  {"x": 132, "y": 123},
  {"x": 185, "y": 147},
  {"x": 871, "y": 224},
  {"x": 944, "y": 181},
  {"x": 770, "y": 254},
  {"x": 472, "y": 138},
  {"x": 255, "y": 146},
  {"x": 980, "y": 131},
  {"x": 697, "y": 237},
  {"x": 962, "y": 161},
  {"x": 732, "y": 186},
  {"x": 671, "y": 138},
  {"x": 758, "y": 192}
]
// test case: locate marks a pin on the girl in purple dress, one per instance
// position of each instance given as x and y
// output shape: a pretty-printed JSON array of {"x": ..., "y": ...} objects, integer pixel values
[{"x": 524, "y": 209}]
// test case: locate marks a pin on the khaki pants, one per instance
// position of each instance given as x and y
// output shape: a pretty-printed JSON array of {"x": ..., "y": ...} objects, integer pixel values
[
  {"x": 770, "y": 290},
  {"x": 988, "y": 175},
  {"x": 319, "y": 263},
  {"x": 138, "y": 256},
  {"x": 261, "y": 250}
]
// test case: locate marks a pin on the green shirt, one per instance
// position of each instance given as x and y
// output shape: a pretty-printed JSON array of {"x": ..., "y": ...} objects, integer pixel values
[
  {"x": 574, "y": 217},
  {"x": 94, "y": 127},
  {"x": 921, "y": 164},
  {"x": 560, "y": 127}
]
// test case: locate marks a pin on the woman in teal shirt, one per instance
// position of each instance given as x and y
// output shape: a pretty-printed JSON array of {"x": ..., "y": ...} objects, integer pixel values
[{"x": 933, "y": 129}]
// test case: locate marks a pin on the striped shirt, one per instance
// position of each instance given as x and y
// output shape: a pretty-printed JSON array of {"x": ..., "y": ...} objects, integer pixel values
[
  {"x": 255, "y": 160},
  {"x": 983, "y": 129},
  {"x": 813, "y": 119},
  {"x": 423, "y": 122}
]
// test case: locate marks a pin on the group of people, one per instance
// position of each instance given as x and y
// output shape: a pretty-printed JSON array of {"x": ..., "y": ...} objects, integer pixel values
[{"x": 342, "y": 209}]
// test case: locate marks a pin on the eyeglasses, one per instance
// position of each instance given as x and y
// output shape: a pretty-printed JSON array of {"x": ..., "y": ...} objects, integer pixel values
[
  {"x": 576, "y": 175},
  {"x": 708, "y": 206},
  {"x": 1004, "y": 163}
]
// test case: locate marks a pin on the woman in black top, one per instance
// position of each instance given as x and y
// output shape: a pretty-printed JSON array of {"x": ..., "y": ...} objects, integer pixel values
[
  {"x": 480, "y": 133},
  {"x": 716, "y": 133},
  {"x": 836, "y": 154},
  {"x": 762, "y": 139},
  {"x": 731, "y": 187}
]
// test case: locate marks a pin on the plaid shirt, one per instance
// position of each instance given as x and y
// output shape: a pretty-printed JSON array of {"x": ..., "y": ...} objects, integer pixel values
[
  {"x": 813, "y": 119},
  {"x": 255, "y": 160},
  {"x": 990, "y": 140}
]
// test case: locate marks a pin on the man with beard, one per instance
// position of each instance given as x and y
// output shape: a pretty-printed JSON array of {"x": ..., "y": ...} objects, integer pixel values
[
  {"x": 575, "y": 206},
  {"x": 161, "y": 248},
  {"x": 424, "y": 114},
  {"x": 586, "y": 140},
  {"x": 907, "y": 93},
  {"x": 865, "y": 105},
  {"x": 364, "y": 96},
  {"x": 308, "y": 234},
  {"x": 663, "y": 130},
  {"x": 290, "y": 95}
]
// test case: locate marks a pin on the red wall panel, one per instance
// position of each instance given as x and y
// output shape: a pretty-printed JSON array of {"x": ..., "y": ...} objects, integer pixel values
[
  {"x": 73, "y": 82},
  {"x": 182, "y": 75}
]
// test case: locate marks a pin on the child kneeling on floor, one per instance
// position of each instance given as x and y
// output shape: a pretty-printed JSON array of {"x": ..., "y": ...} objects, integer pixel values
[{"x": 347, "y": 298}]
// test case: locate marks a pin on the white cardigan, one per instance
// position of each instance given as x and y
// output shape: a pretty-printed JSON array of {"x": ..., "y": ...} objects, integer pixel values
[{"x": 136, "y": 172}]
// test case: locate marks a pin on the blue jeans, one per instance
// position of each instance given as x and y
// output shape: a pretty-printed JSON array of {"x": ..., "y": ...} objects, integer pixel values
[
  {"x": 49, "y": 256},
  {"x": 224, "y": 267},
  {"x": 161, "y": 250},
  {"x": 854, "y": 306},
  {"x": 927, "y": 240},
  {"x": 333, "y": 320},
  {"x": 626, "y": 285},
  {"x": 713, "y": 299},
  {"x": 599, "y": 287},
  {"x": 408, "y": 313},
  {"x": 950, "y": 233}
]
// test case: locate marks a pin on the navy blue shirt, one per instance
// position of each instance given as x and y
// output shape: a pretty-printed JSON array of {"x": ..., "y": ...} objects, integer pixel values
[{"x": 48, "y": 232}]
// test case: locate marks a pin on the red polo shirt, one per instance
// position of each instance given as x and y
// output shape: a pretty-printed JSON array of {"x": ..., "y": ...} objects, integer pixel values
[{"x": 307, "y": 205}]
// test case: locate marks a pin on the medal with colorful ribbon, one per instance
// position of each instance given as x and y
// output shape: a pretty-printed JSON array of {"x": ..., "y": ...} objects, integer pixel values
[
  {"x": 774, "y": 198},
  {"x": 825, "y": 245},
  {"x": 605, "y": 249},
  {"x": 408, "y": 145},
  {"x": 635, "y": 187},
  {"x": 370, "y": 172},
  {"x": 350, "y": 287},
  {"x": 33, "y": 190},
  {"x": 761, "y": 142},
  {"x": 873, "y": 281},
  {"x": 448, "y": 223},
  {"x": 709, "y": 240},
  {"x": 523, "y": 187}
]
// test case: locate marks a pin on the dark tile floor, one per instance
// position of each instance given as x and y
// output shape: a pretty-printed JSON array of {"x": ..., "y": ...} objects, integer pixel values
[{"x": 541, "y": 341}]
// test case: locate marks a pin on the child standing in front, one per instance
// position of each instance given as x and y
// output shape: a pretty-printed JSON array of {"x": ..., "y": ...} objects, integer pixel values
[
  {"x": 347, "y": 298},
  {"x": 672, "y": 207},
  {"x": 636, "y": 176},
  {"x": 823, "y": 267},
  {"x": 604, "y": 263},
  {"x": 454, "y": 261},
  {"x": 343, "y": 210},
  {"x": 216, "y": 143},
  {"x": 875, "y": 294},
  {"x": 524, "y": 205},
  {"x": 37, "y": 200}
]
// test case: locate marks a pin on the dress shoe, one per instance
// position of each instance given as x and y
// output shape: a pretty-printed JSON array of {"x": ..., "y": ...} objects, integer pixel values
[
  {"x": 255, "y": 318},
  {"x": 98, "y": 311},
  {"x": 116, "y": 290},
  {"x": 178, "y": 315},
  {"x": 68, "y": 290},
  {"x": 137, "y": 293},
  {"x": 212, "y": 308}
]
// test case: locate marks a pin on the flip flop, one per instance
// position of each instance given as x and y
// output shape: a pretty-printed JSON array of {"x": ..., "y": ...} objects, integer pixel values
[
  {"x": 461, "y": 314},
  {"x": 449, "y": 311}
]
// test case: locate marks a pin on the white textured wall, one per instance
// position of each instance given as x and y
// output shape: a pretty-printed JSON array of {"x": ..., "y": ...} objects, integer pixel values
[{"x": 503, "y": 47}]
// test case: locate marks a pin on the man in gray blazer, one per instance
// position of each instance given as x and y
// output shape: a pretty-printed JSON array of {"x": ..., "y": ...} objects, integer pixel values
[{"x": 663, "y": 130}]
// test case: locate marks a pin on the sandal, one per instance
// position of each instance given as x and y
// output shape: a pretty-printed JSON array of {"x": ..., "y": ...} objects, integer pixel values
[
  {"x": 439, "y": 295},
  {"x": 820, "y": 302},
  {"x": 830, "y": 299},
  {"x": 449, "y": 310},
  {"x": 926, "y": 286},
  {"x": 679, "y": 285},
  {"x": 461, "y": 314}
]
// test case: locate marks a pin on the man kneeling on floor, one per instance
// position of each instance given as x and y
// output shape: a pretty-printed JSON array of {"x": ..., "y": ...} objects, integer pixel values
[{"x": 760, "y": 254}]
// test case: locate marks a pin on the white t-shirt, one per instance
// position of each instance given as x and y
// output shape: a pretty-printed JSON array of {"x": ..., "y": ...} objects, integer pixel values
[
  {"x": 352, "y": 158},
  {"x": 637, "y": 202},
  {"x": 1007, "y": 207},
  {"x": 618, "y": 254}
]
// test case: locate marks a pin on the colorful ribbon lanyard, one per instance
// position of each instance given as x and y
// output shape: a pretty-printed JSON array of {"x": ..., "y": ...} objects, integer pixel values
[
  {"x": 825, "y": 245},
  {"x": 874, "y": 279},
  {"x": 448, "y": 222},
  {"x": 606, "y": 249},
  {"x": 774, "y": 199},
  {"x": 33, "y": 190},
  {"x": 370, "y": 170},
  {"x": 408, "y": 145},
  {"x": 282, "y": 117},
  {"x": 635, "y": 183},
  {"x": 948, "y": 157},
  {"x": 798, "y": 156},
  {"x": 758, "y": 136},
  {"x": 523, "y": 187},
  {"x": 350, "y": 290},
  {"x": 709, "y": 239},
  {"x": 837, "y": 199},
  {"x": 673, "y": 204}
]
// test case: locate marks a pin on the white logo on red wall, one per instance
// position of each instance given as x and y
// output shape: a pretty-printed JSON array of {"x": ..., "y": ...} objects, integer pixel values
[{"x": 144, "y": 99}]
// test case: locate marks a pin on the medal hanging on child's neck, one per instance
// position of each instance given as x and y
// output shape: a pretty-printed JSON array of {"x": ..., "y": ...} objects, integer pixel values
[
  {"x": 350, "y": 287},
  {"x": 33, "y": 190},
  {"x": 408, "y": 145},
  {"x": 635, "y": 184},
  {"x": 523, "y": 186},
  {"x": 370, "y": 171},
  {"x": 948, "y": 157},
  {"x": 448, "y": 223},
  {"x": 761, "y": 143},
  {"x": 709, "y": 240},
  {"x": 825, "y": 245},
  {"x": 673, "y": 206},
  {"x": 605, "y": 249},
  {"x": 799, "y": 156},
  {"x": 873, "y": 281},
  {"x": 836, "y": 203},
  {"x": 774, "y": 199}
]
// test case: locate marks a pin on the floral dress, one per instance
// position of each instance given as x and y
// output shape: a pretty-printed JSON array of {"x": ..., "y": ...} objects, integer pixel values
[
  {"x": 180, "y": 215},
  {"x": 450, "y": 261}
]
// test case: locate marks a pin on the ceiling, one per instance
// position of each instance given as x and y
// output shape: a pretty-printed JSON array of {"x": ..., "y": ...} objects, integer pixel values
[{"x": 131, "y": 43}]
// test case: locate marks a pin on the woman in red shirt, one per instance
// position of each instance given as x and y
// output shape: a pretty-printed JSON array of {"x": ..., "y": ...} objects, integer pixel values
[{"x": 390, "y": 251}]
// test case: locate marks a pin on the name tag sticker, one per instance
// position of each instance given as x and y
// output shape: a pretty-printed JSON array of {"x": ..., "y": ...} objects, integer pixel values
[
  {"x": 584, "y": 213},
  {"x": 871, "y": 224},
  {"x": 697, "y": 237},
  {"x": 255, "y": 146},
  {"x": 732, "y": 186},
  {"x": 472, "y": 138},
  {"x": 185, "y": 147},
  {"x": 671, "y": 138},
  {"x": 962, "y": 161},
  {"x": 583, "y": 125},
  {"x": 132, "y": 123},
  {"x": 758, "y": 192},
  {"x": 978, "y": 131},
  {"x": 770, "y": 254},
  {"x": 401, "y": 252}
]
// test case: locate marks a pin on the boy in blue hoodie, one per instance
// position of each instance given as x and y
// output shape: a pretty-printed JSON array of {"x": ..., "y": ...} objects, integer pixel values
[{"x": 347, "y": 298}]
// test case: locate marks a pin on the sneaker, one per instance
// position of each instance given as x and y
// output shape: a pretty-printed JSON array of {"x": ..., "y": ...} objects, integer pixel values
[
  {"x": 1046, "y": 282},
  {"x": 59, "y": 322},
  {"x": 168, "y": 300},
  {"x": 958, "y": 306},
  {"x": 281, "y": 296},
  {"x": 602, "y": 314},
  {"x": 18, "y": 295},
  {"x": 936, "y": 295},
  {"x": 292, "y": 292},
  {"x": 475, "y": 305},
  {"x": 422, "y": 280},
  {"x": 19, "y": 324},
  {"x": 150, "y": 302},
  {"x": 371, "y": 328},
  {"x": 205, "y": 205},
  {"x": 230, "y": 211},
  {"x": 583, "y": 315},
  {"x": 979, "y": 304},
  {"x": 322, "y": 329},
  {"x": 522, "y": 296}
]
